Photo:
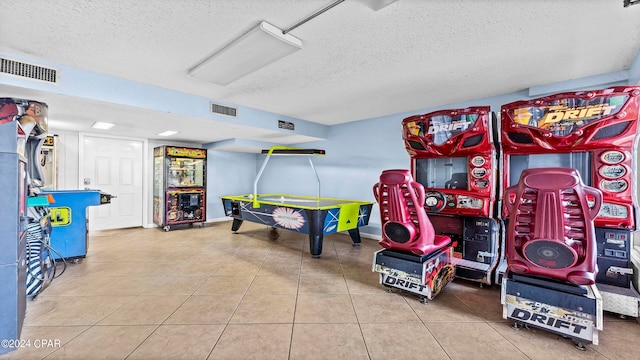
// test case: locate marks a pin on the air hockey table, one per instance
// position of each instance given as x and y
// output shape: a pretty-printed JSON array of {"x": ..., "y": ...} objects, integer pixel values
[{"x": 315, "y": 216}]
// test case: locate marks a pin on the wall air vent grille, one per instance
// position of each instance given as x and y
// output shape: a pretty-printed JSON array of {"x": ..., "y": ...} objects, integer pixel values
[
  {"x": 30, "y": 71},
  {"x": 224, "y": 110}
]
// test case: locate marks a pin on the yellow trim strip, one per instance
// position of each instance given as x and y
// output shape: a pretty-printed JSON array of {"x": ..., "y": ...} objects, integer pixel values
[{"x": 254, "y": 199}]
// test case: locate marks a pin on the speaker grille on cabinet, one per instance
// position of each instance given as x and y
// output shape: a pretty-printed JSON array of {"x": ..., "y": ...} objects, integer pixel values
[
  {"x": 549, "y": 254},
  {"x": 397, "y": 232}
]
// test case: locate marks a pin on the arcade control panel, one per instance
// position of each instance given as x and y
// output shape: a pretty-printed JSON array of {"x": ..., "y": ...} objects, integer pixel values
[
  {"x": 614, "y": 257},
  {"x": 473, "y": 240}
]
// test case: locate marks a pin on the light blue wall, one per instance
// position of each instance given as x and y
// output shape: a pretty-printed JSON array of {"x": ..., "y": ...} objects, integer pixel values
[
  {"x": 634, "y": 71},
  {"x": 357, "y": 152},
  {"x": 228, "y": 173}
]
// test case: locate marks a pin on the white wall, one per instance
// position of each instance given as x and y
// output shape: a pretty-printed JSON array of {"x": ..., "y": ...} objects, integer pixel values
[
  {"x": 227, "y": 173},
  {"x": 67, "y": 152},
  {"x": 68, "y": 149}
]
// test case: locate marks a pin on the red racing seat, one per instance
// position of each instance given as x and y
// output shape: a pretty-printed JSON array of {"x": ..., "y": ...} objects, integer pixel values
[
  {"x": 551, "y": 232},
  {"x": 405, "y": 225}
]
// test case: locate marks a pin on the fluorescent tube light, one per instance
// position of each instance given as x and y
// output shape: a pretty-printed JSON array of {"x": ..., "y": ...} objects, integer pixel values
[
  {"x": 256, "y": 49},
  {"x": 102, "y": 125},
  {"x": 168, "y": 133},
  {"x": 376, "y": 5}
]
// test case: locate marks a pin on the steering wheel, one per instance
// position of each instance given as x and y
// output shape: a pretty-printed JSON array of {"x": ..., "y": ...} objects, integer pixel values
[{"x": 434, "y": 201}]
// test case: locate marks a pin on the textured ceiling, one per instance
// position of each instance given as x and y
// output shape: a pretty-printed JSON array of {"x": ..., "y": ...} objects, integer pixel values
[{"x": 355, "y": 63}]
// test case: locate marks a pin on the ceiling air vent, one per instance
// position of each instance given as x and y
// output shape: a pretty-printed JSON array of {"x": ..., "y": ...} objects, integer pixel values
[
  {"x": 224, "y": 110},
  {"x": 30, "y": 71}
]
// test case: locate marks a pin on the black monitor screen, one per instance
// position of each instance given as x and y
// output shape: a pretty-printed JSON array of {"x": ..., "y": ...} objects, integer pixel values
[
  {"x": 442, "y": 173},
  {"x": 580, "y": 161}
]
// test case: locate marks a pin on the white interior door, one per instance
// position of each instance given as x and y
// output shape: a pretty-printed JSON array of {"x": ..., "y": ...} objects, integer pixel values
[{"x": 114, "y": 166}]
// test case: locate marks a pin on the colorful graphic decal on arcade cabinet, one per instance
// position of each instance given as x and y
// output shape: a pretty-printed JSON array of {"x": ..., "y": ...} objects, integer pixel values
[
  {"x": 185, "y": 205},
  {"x": 591, "y": 131},
  {"x": 156, "y": 209},
  {"x": 453, "y": 157},
  {"x": 17, "y": 110},
  {"x": 575, "y": 324},
  {"x": 31, "y": 114},
  {"x": 564, "y": 116},
  {"x": 436, "y": 273},
  {"x": 442, "y": 127},
  {"x": 288, "y": 218},
  {"x": 173, "y": 151}
]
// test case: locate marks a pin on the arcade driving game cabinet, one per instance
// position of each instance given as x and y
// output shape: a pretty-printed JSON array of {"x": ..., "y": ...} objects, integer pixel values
[
  {"x": 453, "y": 156},
  {"x": 13, "y": 212},
  {"x": 595, "y": 133},
  {"x": 414, "y": 258},
  {"x": 179, "y": 186}
]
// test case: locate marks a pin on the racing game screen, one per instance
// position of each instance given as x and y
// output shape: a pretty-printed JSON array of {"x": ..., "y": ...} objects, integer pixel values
[
  {"x": 442, "y": 173},
  {"x": 580, "y": 161}
]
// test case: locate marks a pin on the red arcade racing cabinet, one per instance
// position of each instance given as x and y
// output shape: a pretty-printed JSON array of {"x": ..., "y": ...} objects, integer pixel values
[
  {"x": 594, "y": 132},
  {"x": 454, "y": 157},
  {"x": 415, "y": 259}
]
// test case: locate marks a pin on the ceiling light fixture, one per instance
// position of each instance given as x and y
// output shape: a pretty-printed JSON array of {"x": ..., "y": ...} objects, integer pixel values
[
  {"x": 376, "y": 5},
  {"x": 102, "y": 125},
  {"x": 168, "y": 133},
  {"x": 257, "y": 48}
]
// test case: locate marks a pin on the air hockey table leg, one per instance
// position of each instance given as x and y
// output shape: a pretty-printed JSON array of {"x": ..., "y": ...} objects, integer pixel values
[
  {"x": 316, "y": 234},
  {"x": 236, "y": 225},
  {"x": 315, "y": 245},
  {"x": 355, "y": 236}
]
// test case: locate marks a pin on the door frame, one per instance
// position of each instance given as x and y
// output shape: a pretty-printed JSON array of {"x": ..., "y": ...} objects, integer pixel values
[{"x": 145, "y": 166}]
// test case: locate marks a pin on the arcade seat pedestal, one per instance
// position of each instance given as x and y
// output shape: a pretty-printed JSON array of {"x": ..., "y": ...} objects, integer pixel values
[
  {"x": 559, "y": 307},
  {"x": 424, "y": 275}
]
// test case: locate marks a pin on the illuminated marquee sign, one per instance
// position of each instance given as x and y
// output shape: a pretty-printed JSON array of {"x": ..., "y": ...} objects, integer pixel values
[
  {"x": 579, "y": 114},
  {"x": 448, "y": 125},
  {"x": 186, "y": 152},
  {"x": 564, "y": 116},
  {"x": 442, "y": 127}
]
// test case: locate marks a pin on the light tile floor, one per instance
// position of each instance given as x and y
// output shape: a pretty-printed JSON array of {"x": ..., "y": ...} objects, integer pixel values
[{"x": 205, "y": 293}]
